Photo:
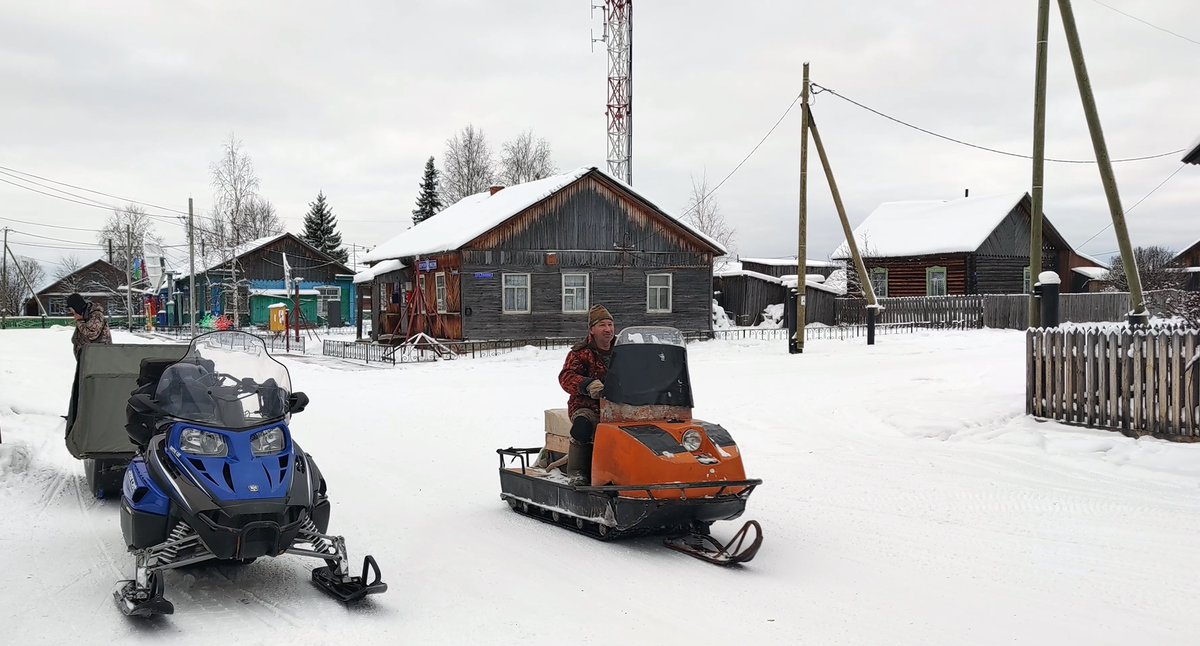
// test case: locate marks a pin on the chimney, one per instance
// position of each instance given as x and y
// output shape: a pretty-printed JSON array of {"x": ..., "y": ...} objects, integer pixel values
[
  {"x": 966, "y": 192},
  {"x": 495, "y": 188}
]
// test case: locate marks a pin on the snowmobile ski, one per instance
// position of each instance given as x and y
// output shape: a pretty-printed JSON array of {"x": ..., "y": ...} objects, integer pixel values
[
  {"x": 707, "y": 548},
  {"x": 350, "y": 588},
  {"x": 142, "y": 601}
]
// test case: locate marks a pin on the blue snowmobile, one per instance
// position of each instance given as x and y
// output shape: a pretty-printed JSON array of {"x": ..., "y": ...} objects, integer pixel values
[{"x": 217, "y": 474}]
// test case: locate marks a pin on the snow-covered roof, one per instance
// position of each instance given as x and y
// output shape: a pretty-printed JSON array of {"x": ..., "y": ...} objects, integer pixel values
[
  {"x": 477, "y": 214},
  {"x": 237, "y": 252},
  {"x": 1192, "y": 156},
  {"x": 920, "y": 228},
  {"x": 789, "y": 262},
  {"x": 367, "y": 275},
  {"x": 1092, "y": 273},
  {"x": 816, "y": 281}
]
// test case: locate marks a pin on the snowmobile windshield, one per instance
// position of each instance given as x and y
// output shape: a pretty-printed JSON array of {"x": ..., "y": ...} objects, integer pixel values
[
  {"x": 649, "y": 368},
  {"x": 226, "y": 379}
]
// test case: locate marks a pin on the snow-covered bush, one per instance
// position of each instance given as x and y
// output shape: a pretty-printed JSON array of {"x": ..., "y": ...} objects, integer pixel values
[{"x": 720, "y": 319}]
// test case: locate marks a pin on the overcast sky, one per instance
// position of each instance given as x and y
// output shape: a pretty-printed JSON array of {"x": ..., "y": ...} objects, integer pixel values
[{"x": 135, "y": 98}]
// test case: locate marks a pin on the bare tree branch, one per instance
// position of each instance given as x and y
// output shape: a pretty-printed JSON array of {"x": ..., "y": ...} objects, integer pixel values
[
  {"x": 525, "y": 158},
  {"x": 468, "y": 167},
  {"x": 704, "y": 213}
]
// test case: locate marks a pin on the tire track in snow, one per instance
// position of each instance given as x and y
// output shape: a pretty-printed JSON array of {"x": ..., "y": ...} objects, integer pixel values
[{"x": 228, "y": 598}]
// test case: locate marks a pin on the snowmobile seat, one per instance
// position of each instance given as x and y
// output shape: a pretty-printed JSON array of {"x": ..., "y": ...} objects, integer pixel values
[{"x": 558, "y": 430}]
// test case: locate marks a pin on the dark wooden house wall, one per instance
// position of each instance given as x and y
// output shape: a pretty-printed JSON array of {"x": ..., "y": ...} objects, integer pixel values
[
  {"x": 745, "y": 297},
  {"x": 578, "y": 230},
  {"x": 906, "y": 276},
  {"x": 266, "y": 263},
  {"x": 784, "y": 270}
]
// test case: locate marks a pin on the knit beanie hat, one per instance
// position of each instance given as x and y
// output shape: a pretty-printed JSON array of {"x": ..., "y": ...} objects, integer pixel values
[
  {"x": 76, "y": 302},
  {"x": 598, "y": 313}
]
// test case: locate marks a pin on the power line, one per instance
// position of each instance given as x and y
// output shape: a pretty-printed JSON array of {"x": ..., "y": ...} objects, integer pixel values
[
  {"x": 34, "y": 235},
  {"x": 1135, "y": 205},
  {"x": 88, "y": 190},
  {"x": 1148, "y": 24},
  {"x": 52, "y": 226},
  {"x": 819, "y": 89}
]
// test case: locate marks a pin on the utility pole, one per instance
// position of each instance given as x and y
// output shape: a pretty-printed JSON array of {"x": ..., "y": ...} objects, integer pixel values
[
  {"x": 1138, "y": 314},
  {"x": 802, "y": 240},
  {"x": 4, "y": 283},
  {"x": 129, "y": 276},
  {"x": 1039, "y": 161},
  {"x": 24, "y": 278},
  {"x": 191, "y": 271},
  {"x": 864, "y": 278},
  {"x": 110, "y": 256}
]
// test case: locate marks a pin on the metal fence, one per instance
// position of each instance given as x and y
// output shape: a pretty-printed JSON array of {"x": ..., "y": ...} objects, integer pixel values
[
  {"x": 274, "y": 343},
  {"x": 446, "y": 350},
  {"x": 1136, "y": 381}
]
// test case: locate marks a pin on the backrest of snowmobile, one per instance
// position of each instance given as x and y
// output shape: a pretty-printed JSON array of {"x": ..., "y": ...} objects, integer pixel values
[{"x": 107, "y": 376}]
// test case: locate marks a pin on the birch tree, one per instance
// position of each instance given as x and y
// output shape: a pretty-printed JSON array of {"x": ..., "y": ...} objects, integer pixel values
[
  {"x": 468, "y": 167},
  {"x": 526, "y": 158},
  {"x": 703, "y": 212}
]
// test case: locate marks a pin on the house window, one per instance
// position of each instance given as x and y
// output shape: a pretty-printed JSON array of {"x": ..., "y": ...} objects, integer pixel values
[
  {"x": 327, "y": 295},
  {"x": 658, "y": 293},
  {"x": 935, "y": 281},
  {"x": 1025, "y": 282},
  {"x": 439, "y": 289},
  {"x": 574, "y": 293},
  {"x": 57, "y": 306},
  {"x": 516, "y": 293},
  {"x": 879, "y": 282}
]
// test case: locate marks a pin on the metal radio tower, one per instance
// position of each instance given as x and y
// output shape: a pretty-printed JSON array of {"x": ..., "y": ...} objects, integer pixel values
[{"x": 618, "y": 35}]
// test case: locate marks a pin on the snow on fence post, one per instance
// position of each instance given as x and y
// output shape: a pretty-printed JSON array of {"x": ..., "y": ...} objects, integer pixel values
[{"x": 1135, "y": 381}]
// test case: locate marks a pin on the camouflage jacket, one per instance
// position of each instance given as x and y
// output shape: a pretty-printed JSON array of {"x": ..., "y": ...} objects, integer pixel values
[
  {"x": 585, "y": 363},
  {"x": 91, "y": 329}
]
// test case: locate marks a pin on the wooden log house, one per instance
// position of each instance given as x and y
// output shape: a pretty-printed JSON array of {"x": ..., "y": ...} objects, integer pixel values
[
  {"x": 971, "y": 245},
  {"x": 528, "y": 261}
]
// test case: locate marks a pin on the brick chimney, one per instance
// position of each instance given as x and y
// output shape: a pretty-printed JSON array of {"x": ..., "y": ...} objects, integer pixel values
[{"x": 495, "y": 188}]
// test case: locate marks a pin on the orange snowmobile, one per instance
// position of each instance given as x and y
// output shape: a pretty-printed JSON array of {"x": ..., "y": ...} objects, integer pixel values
[{"x": 655, "y": 469}]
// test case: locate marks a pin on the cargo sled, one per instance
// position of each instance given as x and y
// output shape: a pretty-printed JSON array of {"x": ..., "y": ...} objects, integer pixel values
[{"x": 655, "y": 469}]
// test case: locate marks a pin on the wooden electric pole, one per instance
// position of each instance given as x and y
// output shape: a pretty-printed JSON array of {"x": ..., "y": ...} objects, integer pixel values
[
  {"x": 1138, "y": 314},
  {"x": 1039, "y": 161},
  {"x": 191, "y": 271},
  {"x": 864, "y": 279},
  {"x": 802, "y": 238},
  {"x": 4, "y": 282},
  {"x": 129, "y": 277}
]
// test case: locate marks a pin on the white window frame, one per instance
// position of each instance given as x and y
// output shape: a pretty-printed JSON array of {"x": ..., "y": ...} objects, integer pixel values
[
  {"x": 56, "y": 306},
  {"x": 652, "y": 294},
  {"x": 929, "y": 272},
  {"x": 574, "y": 291},
  {"x": 326, "y": 294},
  {"x": 439, "y": 291},
  {"x": 875, "y": 285},
  {"x": 1026, "y": 280},
  {"x": 527, "y": 288}
]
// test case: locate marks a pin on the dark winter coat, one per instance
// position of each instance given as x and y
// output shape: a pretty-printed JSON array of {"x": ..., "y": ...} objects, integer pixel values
[
  {"x": 585, "y": 363},
  {"x": 92, "y": 328}
]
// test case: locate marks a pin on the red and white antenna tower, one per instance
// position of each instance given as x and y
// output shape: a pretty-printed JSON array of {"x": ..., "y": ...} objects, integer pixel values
[{"x": 618, "y": 35}]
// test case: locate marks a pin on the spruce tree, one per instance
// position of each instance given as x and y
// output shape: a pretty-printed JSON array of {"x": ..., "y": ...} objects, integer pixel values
[
  {"x": 320, "y": 229},
  {"x": 428, "y": 202}
]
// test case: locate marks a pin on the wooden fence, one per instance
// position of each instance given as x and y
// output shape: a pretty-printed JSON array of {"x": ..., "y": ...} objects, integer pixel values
[
  {"x": 936, "y": 311},
  {"x": 1142, "y": 382},
  {"x": 1011, "y": 311}
]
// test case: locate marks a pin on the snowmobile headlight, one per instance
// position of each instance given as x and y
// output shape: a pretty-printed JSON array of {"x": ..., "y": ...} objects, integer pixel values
[
  {"x": 268, "y": 442},
  {"x": 691, "y": 439},
  {"x": 206, "y": 443}
]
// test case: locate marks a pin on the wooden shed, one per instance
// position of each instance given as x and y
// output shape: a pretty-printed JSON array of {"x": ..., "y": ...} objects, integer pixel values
[
  {"x": 745, "y": 294},
  {"x": 528, "y": 261},
  {"x": 971, "y": 245}
]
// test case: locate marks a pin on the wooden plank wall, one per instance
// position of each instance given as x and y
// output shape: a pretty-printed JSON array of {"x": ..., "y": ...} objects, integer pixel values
[
  {"x": 1011, "y": 311},
  {"x": 1138, "y": 382},
  {"x": 906, "y": 276},
  {"x": 942, "y": 311}
]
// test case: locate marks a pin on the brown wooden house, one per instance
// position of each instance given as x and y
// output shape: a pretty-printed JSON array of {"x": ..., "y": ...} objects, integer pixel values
[
  {"x": 971, "y": 245},
  {"x": 1188, "y": 261},
  {"x": 98, "y": 282},
  {"x": 528, "y": 261}
]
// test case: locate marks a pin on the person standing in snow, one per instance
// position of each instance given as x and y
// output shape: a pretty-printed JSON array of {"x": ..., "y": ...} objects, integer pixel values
[
  {"x": 90, "y": 328},
  {"x": 582, "y": 376}
]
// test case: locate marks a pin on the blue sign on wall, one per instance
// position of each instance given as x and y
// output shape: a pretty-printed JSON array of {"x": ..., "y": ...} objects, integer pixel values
[
  {"x": 426, "y": 265},
  {"x": 483, "y": 274}
]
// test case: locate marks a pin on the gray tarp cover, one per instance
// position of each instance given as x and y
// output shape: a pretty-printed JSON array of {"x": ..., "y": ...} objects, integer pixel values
[{"x": 108, "y": 374}]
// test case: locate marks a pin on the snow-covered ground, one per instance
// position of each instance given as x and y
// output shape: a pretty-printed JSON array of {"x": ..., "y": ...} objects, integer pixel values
[{"x": 907, "y": 500}]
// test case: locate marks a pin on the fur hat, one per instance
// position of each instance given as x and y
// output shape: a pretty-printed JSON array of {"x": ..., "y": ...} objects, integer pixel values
[
  {"x": 76, "y": 302},
  {"x": 596, "y": 314}
]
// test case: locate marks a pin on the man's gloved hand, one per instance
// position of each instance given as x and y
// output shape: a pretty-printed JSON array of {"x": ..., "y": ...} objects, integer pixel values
[{"x": 595, "y": 388}]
